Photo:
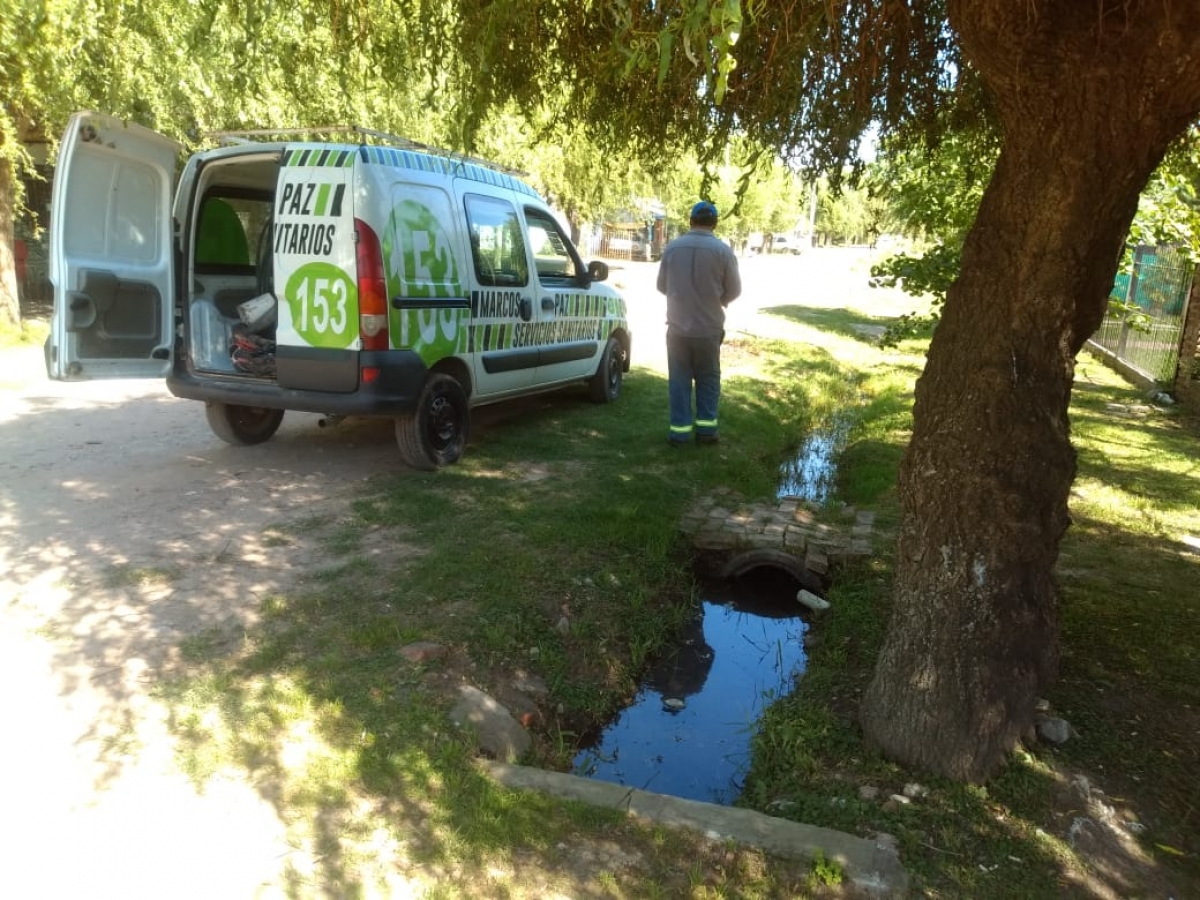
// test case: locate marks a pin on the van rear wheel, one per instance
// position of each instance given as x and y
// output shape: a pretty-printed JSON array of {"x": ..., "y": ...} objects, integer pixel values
[
  {"x": 605, "y": 385},
  {"x": 435, "y": 433},
  {"x": 242, "y": 424}
]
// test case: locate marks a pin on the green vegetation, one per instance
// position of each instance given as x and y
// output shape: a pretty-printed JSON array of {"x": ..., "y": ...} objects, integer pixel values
[
  {"x": 26, "y": 333},
  {"x": 129, "y": 576},
  {"x": 933, "y": 195},
  {"x": 551, "y": 549}
]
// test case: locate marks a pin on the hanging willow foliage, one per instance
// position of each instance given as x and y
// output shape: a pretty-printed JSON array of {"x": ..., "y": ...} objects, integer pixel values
[
  {"x": 805, "y": 76},
  {"x": 802, "y": 76}
]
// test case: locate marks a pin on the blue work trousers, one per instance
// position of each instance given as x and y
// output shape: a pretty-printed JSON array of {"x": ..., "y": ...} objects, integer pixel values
[{"x": 693, "y": 361}]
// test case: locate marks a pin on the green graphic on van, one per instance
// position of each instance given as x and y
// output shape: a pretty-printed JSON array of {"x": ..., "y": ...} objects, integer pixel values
[
  {"x": 323, "y": 301},
  {"x": 434, "y": 333},
  {"x": 419, "y": 255}
]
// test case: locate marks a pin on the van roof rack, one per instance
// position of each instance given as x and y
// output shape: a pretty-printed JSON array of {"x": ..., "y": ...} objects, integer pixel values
[{"x": 395, "y": 140}]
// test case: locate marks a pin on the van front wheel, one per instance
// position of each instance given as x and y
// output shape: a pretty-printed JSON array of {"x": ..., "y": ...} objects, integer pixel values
[
  {"x": 236, "y": 424},
  {"x": 605, "y": 385},
  {"x": 435, "y": 433}
]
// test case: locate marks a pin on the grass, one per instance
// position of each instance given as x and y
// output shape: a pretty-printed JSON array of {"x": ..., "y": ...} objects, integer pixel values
[
  {"x": 552, "y": 550},
  {"x": 27, "y": 333},
  {"x": 1130, "y": 681},
  {"x": 120, "y": 575}
]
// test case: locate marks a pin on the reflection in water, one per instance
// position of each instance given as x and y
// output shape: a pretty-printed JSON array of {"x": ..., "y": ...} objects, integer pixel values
[
  {"x": 810, "y": 474},
  {"x": 688, "y": 730}
]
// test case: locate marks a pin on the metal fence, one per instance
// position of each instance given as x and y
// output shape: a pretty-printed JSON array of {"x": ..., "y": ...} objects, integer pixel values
[
  {"x": 30, "y": 247},
  {"x": 1146, "y": 334}
]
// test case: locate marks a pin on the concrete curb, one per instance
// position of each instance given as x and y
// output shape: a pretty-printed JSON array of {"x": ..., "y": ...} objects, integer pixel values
[{"x": 872, "y": 866}]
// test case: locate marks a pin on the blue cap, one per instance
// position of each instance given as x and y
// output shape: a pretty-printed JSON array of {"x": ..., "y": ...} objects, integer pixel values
[{"x": 704, "y": 210}]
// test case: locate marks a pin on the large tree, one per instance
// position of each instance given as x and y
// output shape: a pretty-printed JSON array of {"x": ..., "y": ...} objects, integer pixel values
[
  {"x": 1089, "y": 97},
  {"x": 1088, "y": 93}
]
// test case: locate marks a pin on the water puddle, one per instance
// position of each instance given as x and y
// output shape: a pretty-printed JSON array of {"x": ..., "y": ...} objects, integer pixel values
[
  {"x": 812, "y": 473},
  {"x": 688, "y": 731}
]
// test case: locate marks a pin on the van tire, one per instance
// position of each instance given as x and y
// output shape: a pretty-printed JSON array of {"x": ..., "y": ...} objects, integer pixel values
[
  {"x": 605, "y": 385},
  {"x": 435, "y": 433},
  {"x": 242, "y": 424}
]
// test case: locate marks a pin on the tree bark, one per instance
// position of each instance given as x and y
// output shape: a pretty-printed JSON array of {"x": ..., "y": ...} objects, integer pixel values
[
  {"x": 10, "y": 306},
  {"x": 1187, "y": 372},
  {"x": 1089, "y": 102}
]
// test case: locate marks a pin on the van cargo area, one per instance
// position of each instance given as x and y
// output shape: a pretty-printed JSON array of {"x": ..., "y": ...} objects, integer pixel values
[{"x": 231, "y": 304}]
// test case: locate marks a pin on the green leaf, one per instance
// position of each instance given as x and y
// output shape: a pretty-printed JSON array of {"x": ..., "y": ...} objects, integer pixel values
[
  {"x": 666, "y": 43},
  {"x": 724, "y": 67}
]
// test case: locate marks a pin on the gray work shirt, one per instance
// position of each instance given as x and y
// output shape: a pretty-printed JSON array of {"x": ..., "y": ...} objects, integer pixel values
[{"x": 699, "y": 274}]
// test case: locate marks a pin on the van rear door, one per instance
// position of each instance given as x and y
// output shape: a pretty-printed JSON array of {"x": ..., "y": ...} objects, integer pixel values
[
  {"x": 111, "y": 251},
  {"x": 315, "y": 246}
]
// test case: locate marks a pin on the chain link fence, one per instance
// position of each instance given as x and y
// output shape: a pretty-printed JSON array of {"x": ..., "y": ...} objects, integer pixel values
[{"x": 1144, "y": 325}]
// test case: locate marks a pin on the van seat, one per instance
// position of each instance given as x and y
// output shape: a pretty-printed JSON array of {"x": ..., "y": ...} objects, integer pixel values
[{"x": 221, "y": 239}]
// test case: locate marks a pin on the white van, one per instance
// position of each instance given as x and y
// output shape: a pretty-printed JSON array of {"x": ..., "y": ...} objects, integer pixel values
[
  {"x": 345, "y": 279},
  {"x": 783, "y": 243}
]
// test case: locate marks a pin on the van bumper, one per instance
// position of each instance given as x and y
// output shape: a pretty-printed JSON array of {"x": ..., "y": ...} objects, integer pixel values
[{"x": 395, "y": 391}]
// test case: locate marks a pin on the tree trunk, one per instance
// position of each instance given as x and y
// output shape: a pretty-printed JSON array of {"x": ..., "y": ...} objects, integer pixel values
[
  {"x": 1087, "y": 115},
  {"x": 10, "y": 306},
  {"x": 1187, "y": 372}
]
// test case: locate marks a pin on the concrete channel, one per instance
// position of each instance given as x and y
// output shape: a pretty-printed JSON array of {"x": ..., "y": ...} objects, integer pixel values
[{"x": 872, "y": 866}]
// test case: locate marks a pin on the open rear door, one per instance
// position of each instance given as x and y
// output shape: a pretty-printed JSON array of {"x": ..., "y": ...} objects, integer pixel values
[{"x": 111, "y": 251}]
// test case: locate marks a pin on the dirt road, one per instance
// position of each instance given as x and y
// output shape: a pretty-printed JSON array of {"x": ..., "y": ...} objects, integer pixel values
[{"x": 124, "y": 527}]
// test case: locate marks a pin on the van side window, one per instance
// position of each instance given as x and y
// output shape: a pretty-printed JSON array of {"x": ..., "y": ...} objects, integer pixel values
[
  {"x": 497, "y": 242},
  {"x": 551, "y": 249}
]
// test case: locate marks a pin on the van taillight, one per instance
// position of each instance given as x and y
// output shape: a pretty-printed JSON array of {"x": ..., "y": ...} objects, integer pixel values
[{"x": 372, "y": 289}]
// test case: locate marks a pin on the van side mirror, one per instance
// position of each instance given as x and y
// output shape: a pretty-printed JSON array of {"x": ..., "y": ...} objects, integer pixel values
[{"x": 597, "y": 270}]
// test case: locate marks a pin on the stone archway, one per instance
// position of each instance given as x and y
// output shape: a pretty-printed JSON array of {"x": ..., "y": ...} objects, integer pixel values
[
  {"x": 732, "y": 537},
  {"x": 749, "y": 560}
]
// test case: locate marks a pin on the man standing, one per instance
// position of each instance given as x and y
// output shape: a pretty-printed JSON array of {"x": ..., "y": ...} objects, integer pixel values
[{"x": 699, "y": 274}]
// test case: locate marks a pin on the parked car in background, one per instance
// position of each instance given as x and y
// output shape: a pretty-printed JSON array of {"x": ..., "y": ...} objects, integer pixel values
[{"x": 783, "y": 243}]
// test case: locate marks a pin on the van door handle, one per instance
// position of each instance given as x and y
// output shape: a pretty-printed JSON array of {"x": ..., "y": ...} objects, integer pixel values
[{"x": 547, "y": 304}]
